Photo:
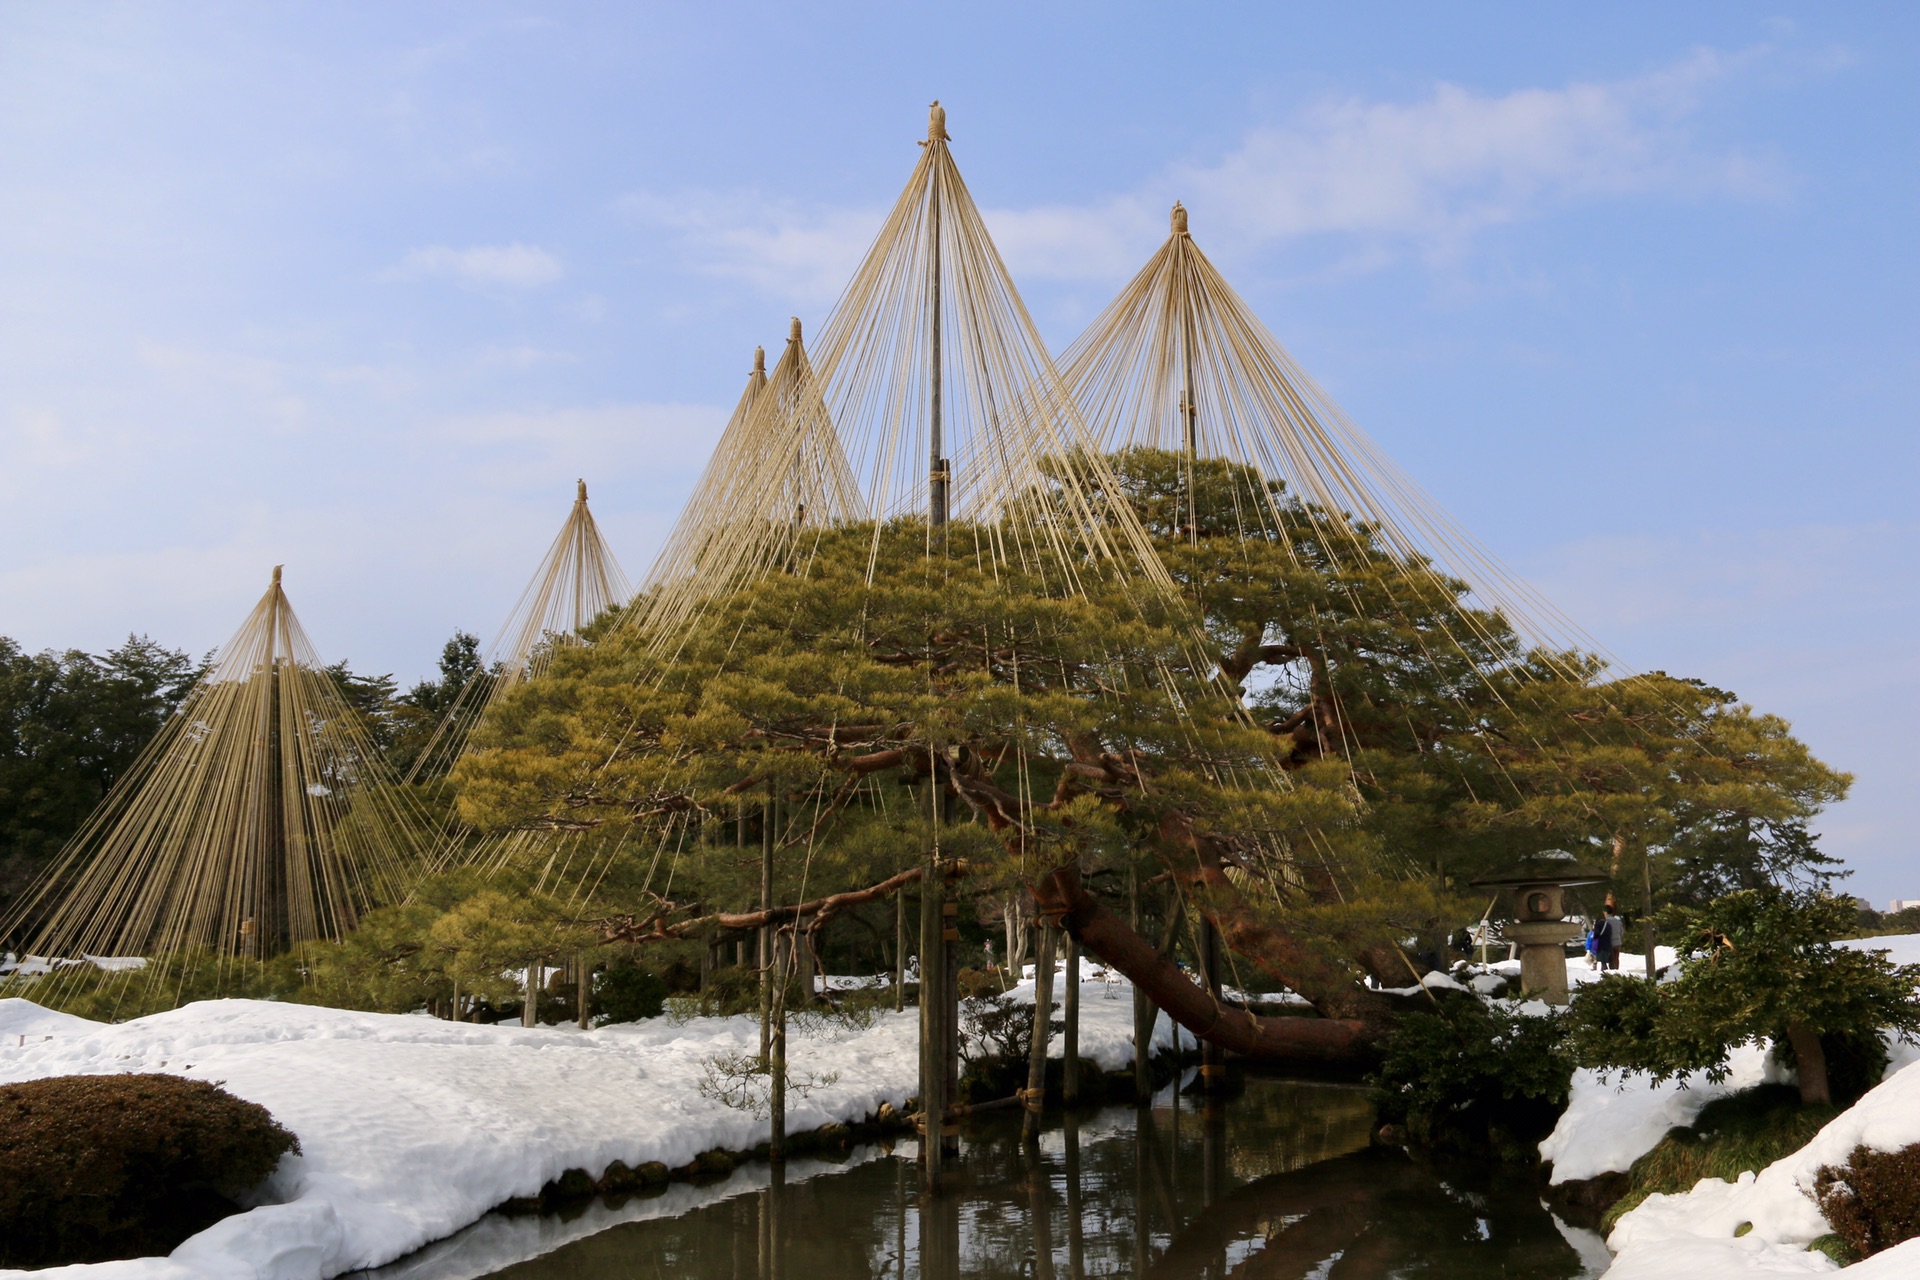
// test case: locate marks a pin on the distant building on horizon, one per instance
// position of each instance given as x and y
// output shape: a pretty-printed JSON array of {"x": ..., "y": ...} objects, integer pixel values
[{"x": 1902, "y": 904}]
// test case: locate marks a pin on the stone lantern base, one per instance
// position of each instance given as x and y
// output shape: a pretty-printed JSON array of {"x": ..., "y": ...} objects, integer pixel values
[{"x": 1543, "y": 956}]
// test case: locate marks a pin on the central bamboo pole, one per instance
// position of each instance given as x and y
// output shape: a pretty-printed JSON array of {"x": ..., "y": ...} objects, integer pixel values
[{"x": 937, "y": 477}]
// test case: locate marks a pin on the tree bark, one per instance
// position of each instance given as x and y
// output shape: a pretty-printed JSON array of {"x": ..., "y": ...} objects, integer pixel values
[
  {"x": 1812, "y": 1061},
  {"x": 1322, "y": 1041}
]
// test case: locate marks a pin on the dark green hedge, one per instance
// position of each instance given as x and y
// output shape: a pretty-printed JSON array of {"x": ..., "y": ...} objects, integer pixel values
[{"x": 100, "y": 1167}]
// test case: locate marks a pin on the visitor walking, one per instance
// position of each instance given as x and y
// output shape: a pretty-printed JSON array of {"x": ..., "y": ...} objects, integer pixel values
[{"x": 1612, "y": 932}]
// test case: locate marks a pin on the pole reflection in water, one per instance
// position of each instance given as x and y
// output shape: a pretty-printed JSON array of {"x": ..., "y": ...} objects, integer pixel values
[
  {"x": 1076, "y": 1214},
  {"x": 1277, "y": 1182}
]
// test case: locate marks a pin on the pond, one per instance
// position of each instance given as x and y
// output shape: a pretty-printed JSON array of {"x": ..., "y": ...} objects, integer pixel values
[{"x": 1278, "y": 1181}]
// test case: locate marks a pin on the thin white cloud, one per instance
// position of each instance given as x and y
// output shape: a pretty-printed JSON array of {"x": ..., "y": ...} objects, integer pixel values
[
  {"x": 806, "y": 253},
  {"x": 519, "y": 266},
  {"x": 515, "y": 447},
  {"x": 1422, "y": 176}
]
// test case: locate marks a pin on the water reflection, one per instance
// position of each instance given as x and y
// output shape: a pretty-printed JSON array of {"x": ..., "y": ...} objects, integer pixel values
[{"x": 1275, "y": 1183}]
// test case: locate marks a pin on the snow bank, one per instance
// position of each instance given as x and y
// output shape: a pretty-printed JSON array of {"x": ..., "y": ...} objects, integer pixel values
[
  {"x": 1612, "y": 1120},
  {"x": 1778, "y": 1200},
  {"x": 1901, "y": 948},
  {"x": 411, "y": 1128}
]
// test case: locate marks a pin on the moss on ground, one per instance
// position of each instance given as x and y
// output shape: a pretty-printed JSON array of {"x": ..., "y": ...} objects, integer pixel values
[{"x": 1746, "y": 1131}]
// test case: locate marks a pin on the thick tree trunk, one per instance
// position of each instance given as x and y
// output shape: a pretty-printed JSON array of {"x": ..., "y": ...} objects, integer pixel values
[
  {"x": 1812, "y": 1060},
  {"x": 1320, "y": 1041}
]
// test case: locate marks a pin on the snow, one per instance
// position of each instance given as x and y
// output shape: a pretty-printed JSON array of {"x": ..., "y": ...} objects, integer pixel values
[
  {"x": 1778, "y": 1201},
  {"x": 1901, "y": 948},
  {"x": 1612, "y": 1120},
  {"x": 411, "y": 1128}
]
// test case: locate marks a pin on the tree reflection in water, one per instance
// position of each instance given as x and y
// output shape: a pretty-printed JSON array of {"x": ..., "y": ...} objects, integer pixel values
[{"x": 1275, "y": 1184}]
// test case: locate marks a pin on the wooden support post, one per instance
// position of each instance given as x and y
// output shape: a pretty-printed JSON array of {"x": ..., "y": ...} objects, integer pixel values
[
  {"x": 803, "y": 954},
  {"x": 1070, "y": 1064},
  {"x": 1036, "y": 1093},
  {"x": 950, "y": 1015},
  {"x": 583, "y": 992},
  {"x": 777, "y": 1065},
  {"x": 766, "y": 930},
  {"x": 1213, "y": 1063},
  {"x": 899, "y": 951},
  {"x": 933, "y": 1077},
  {"x": 1144, "y": 1014}
]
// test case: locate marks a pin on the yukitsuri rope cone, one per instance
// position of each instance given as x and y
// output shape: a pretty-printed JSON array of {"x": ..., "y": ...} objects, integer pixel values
[
  {"x": 1179, "y": 362},
  {"x": 777, "y": 476},
  {"x": 577, "y": 581},
  {"x": 260, "y": 818},
  {"x": 948, "y": 403}
]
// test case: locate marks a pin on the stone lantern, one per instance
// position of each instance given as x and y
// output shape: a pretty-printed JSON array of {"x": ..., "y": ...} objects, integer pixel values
[{"x": 1540, "y": 929}]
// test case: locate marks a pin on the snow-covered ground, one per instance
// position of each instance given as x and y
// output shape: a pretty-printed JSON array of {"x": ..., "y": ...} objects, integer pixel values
[
  {"x": 1612, "y": 1121},
  {"x": 410, "y": 1128}
]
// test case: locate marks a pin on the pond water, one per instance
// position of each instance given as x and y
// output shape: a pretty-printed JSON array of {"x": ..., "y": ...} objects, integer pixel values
[{"x": 1276, "y": 1182}]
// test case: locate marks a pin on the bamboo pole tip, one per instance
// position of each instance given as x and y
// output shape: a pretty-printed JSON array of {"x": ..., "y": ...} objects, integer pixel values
[
  {"x": 1179, "y": 219},
  {"x": 793, "y": 335},
  {"x": 582, "y": 497},
  {"x": 936, "y": 124},
  {"x": 760, "y": 361}
]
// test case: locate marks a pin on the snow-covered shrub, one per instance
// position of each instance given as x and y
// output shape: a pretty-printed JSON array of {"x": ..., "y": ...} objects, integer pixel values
[
  {"x": 99, "y": 1167},
  {"x": 1469, "y": 1075},
  {"x": 1873, "y": 1201}
]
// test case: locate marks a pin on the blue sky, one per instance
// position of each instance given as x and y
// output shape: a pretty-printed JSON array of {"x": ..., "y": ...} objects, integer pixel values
[{"x": 364, "y": 288}]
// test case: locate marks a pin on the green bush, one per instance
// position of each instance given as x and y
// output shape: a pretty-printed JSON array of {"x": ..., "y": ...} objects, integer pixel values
[
  {"x": 100, "y": 1167},
  {"x": 1873, "y": 1201},
  {"x": 626, "y": 992},
  {"x": 1761, "y": 964},
  {"x": 1470, "y": 1076}
]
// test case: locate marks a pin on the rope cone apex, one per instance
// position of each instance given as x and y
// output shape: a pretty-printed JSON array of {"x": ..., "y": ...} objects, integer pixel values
[
  {"x": 759, "y": 362},
  {"x": 583, "y": 490},
  {"x": 1179, "y": 219},
  {"x": 276, "y": 574},
  {"x": 793, "y": 333},
  {"x": 936, "y": 124}
]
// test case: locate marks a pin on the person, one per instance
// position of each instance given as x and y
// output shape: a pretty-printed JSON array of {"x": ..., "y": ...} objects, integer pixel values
[
  {"x": 1593, "y": 944},
  {"x": 1613, "y": 931}
]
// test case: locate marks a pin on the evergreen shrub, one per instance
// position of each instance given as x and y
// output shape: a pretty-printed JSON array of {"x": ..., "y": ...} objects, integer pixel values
[
  {"x": 626, "y": 992},
  {"x": 1469, "y": 1076},
  {"x": 1873, "y": 1201},
  {"x": 94, "y": 1168}
]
